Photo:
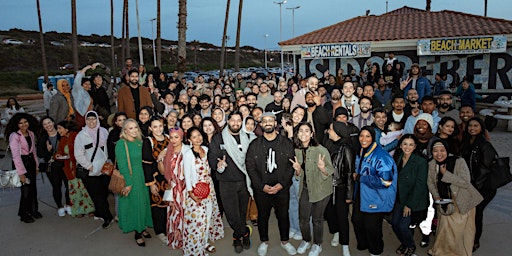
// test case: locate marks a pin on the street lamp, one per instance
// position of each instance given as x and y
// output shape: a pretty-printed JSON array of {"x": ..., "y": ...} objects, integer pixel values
[
  {"x": 153, "y": 37},
  {"x": 281, "y": 32},
  {"x": 293, "y": 33},
  {"x": 266, "y": 65}
]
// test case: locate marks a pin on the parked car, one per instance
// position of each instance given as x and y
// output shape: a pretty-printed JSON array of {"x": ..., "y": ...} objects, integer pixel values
[
  {"x": 87, "y": 44},
  {"x": 55, "y": 43},
  {"x": 12, "y": 41},
  {"x": 105, "y": 45},
  {"x": 67, "y": 67}
]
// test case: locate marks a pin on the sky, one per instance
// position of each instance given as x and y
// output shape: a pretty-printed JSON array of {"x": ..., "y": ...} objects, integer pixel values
[{"x": 205, "y": 18}]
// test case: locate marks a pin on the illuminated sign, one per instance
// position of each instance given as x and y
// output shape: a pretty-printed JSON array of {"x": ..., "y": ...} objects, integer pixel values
[
  {"x": 462, "y": 45},
  {"x": 343, "y": 50}
]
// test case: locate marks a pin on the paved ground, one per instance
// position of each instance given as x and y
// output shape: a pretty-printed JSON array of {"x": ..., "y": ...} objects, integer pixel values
[{"x": 53, "y": 235}]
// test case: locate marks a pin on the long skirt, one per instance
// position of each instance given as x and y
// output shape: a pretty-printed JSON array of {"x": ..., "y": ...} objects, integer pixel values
[
  {"x": 455, "y": 234},
  {"x": 81, "y": 202}
]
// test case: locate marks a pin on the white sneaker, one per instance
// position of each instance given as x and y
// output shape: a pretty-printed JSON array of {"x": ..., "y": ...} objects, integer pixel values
[
  {"x": 289, "y": 248},
  {"x": 297, "y": 237},
  {"x": 346, "y": 250},
  {"x": 315, "y": 250},
  {"x": 163, "y": 238},
  {"x": 291, "y": 233},
  {"x": 61, "y": 212},
  {"x": 68, "y": 209},
  {"x": 262, "y": 249},
  {"x": 335, "y": 239},
  {"x": 303, "y": 247}
]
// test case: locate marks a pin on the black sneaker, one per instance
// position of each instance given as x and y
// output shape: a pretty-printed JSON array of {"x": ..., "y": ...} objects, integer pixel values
[
  {"x": 27, "y": 218},
  {"x": 107, "y": 224},
  {"x": 36, "y": 215},
  {"x": 425, "y": 241},
  {"x": 246, "y": 241},
  {"x": 237, "y": 243}
]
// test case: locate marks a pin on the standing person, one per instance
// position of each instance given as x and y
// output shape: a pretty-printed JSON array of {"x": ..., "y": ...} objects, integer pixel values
[
  {"x": 132, "y": 98},
  {"x": 47, "y": 97},
  {"x": 82, "y": 94},
  {"x": 46, "y": 148},
  {"x": 271, "y": 175},
  {"x": 412, "y": 198},
  {"x": 62, "y": 103},
  {"x": 449, "y": 178},
  {"x": 479, "y": 153},
  {"x": 416, "y": 81},
  {"x": 448, "y": 130},
  {"x": 90, "y": 153},
  {"x": 227, "y": 156},
  {"x": 202, "y": 217},
  {"x": 375, "y": 192},
  {"x": 153, "y": 152},
  {"x": 313, "y": 168},
  {"x": 134, "y": 209},
  {"x": 113, "y": 135},
  {"x": 22, "y": 142},
  {"x": 172, "y": 169},
  {"x": 100, "y": 98}
]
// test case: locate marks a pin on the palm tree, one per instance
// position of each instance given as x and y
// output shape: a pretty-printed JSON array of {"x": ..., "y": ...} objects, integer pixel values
[
  {"x": 428, "y": 5},
  {"x": 112, "y": 53},
  {"x": 158, "y": 35},
  {"x": 182, "y": 36},
  {"x": 123, "y": 33},
  {"x": 74, "y": 39},
  {"x": 223, "y": 49},
  {"x": 127, "y": 30},
  {"x": 41, "y": 37},
  {"x": 237, "y": 45}
]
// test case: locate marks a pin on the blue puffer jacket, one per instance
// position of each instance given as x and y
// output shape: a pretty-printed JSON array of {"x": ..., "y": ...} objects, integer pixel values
[{"x": 376, "y": 167}]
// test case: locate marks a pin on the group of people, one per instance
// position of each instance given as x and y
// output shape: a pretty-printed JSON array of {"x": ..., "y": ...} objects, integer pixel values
[{"x": 310, "y": 149}]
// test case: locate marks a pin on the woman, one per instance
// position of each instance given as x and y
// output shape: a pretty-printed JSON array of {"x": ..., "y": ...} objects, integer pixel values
[
  {"x": 193, "y": 105},
  {"x": 286, "y": 104},
  {"x": 171, "y": 121},
  {"x": 90, "y": 153},
  {"x": 153, "y": 152},
  {"x": 145, "y": 114},
  {"x": 244, "y": 109},
  {"x": 209, "y": 127},
  {"x": 412, "y": 198},
  {"x": 479, "y": 154},
  {"x": 293, "y": 89},
  {"x": 196, "y": 119},
  {"x": 80, "y": 200},
  {"x": 375, "y": 191},
  {"x": 46, "y": 148},
  {"x": 202, "y": 217},
  {"x": 100, "y": 98},
  {"x": 62, "y": 103},
  {"x": 343, "y": 156},
  {"x": 83, "y": 102},
  {"x": 134, "y": 209},
  {"x": 11, "y": 108},
  {"x": 142, "y": 74},
  {"x": 374, "y": 75},
  {"x": 449, "y": 178},
  {"x": 298, "y": 116},
  {"x": 313, "y": 169},
  {"x": 219, "y": 116},
  {"x": 448, "y": 130},
  {"x": 186, "y": 123},
  {"x": 172, "y": 169},
  {"x": 113, "y": 135},
  {"x": 20, "y": 131},
  {"x": 249, "y": 125}
]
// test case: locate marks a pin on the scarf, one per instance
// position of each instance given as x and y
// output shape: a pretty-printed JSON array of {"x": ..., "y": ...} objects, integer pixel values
[
  {"x": 94, "y": 131},
  {"x": 443, "y": 188},
  {"x": 238, "y": 155},
  {"x": 67, "y": 95}
]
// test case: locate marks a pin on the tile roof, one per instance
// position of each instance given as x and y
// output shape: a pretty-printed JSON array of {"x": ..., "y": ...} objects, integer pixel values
[{"x": 405, "y": 23}]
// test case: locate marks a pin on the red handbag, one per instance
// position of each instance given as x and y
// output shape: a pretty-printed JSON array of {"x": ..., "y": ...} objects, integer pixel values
[{"x": 201, "y": 190}]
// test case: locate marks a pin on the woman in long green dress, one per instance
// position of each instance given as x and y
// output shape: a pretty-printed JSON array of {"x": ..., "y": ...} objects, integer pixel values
[{"x": 134, "y": 208}]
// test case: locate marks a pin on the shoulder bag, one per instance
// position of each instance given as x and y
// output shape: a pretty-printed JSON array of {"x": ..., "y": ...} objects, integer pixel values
[
  {"x": 499, "y": 174},
  {"x": 117, "y": 181}
]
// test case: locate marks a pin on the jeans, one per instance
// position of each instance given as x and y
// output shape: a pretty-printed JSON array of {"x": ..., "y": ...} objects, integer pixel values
[
  {"x": 488, "y": 195},
  {"x": 316, "y": 212},
  {"x": 57, "y": 177},
  {"x": 235, "y": 198},
  {"x": 293, "y": 211},
  {"x": 336, "y": 214},
  {"x": 280, "y": 202},
  {"x": 400, "y": 225}
]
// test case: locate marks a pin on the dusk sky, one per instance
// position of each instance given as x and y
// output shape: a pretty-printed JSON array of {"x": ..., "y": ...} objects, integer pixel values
[{"x": 206, "y": 17}]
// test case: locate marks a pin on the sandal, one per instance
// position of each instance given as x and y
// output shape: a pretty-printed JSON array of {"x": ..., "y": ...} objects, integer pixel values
[
  {"x": 139, "y": 240},
  {"x": 210, "y": 248},
  {"x": 145, "y": 234}
]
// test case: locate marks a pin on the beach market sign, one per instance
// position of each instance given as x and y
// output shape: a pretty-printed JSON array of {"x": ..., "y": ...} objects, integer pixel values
[
  {"x": 462, "y": 45},
  {"x": 343, "y": 50}
]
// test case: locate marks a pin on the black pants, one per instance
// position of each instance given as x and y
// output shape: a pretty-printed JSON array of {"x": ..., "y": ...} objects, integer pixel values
[
  {"x": 159, "y": 215},
  {"x": 488, "y": 195},
  {"x": 97, "y": 186},
  {"x": 28, "y": 200},
  {"x": 235, "y": 197},
  {"x": 336, "y": 214},
  {"x": 56, "y": 175},
  {"x": 280, "y": 202},
  {"x": 315, "y": 211},
  {"x": 217, "y": 193},
  {"x": 368, "y": 229}
]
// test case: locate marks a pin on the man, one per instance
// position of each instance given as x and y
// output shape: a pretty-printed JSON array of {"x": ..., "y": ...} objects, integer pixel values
[
  {"x": 369, "y": 91},
  {"x": 128, "y": 65},
  {"x": 239, "y": 82},
  {"x": 252, "y": 78},
  {"x": 275, "y": 106},
  {"x": 334, "y": 103},
  {"x": 466, "y": 112},
  {"x": 251, "y": 100},
  {"x": 427, "y": 106},
  {"x": 133, "y": 97},
  {"x": 349, "y": 100},
  {"x": 300, "y": 96},
  {"x": 417, "y": 82},
  {"x": 318, "y": 116},
  {"x": 175, "y": 78},
  {"x": 445, "y": 108},
  {"x": 264, "y": 97},
  {"x": 412, "y": 100},
  {"x": 47, "y": 97},
  {"x": 391, "y": 60},
  {"x": 205, "y": 103},
  {"x": 224, "y": 104},
  {"x": 365, "y": 117},
  {"x": 201, "y": 84},
  {"x": 382, "y": 94},
  {"x": 226, "y": 156},
  {"x": 271, "y": 172},
  {"x": 282, "y": 87},
  {"x": 397, "y": 113}
]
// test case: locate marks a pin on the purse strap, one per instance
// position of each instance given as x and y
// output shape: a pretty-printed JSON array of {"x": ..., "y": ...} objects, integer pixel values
[
  {"x": 128, "y": 157},
  {"x": 97, "y": 144}
]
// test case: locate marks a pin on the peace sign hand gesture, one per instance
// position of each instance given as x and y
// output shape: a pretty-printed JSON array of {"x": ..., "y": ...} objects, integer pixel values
[
  {"x": 296, "y": 166},
  {"x": 221, "y": 164},
  {"x": 321, "y": 162},
  {"x": 405, "y": 82}
]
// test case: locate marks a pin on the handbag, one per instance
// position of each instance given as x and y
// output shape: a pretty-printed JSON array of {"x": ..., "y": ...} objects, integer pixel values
[
  {"x": 117, "y": 181},
  {"x": 500, "y": 173},
  {"x": 201, "y": 190},
  {"x": 81, "y": 172},
  {"x": 107, "y": 168},
  {"x": 9, "y": 178}
]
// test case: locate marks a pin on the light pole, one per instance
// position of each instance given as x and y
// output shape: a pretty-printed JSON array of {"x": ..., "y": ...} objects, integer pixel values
[
  {"x": 266, "y": 65},
  {"x": 153, "y": 37},
  {"x": 293, "y": 31},
  {"x": 281, "y": 32},
  {"x": 141, "y": 54}
]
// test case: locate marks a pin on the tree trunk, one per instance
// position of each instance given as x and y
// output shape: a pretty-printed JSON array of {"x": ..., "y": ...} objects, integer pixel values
[
  {"x": 112, "y": 42},
  {"x": 182, "y": 36},
  {"x": 237, "y": 45},
  {"x": 223, "y": 49},
  {"x": 127, "y": 31},
  {"x": 123, "y": 34},
  {"x": 139, "y": 39},
  {"x": 427, "y": 8},
  {"x": 158, "y": 36},
  {"x": 74, "y": 39},
  {"x": 41, "y": 39}
]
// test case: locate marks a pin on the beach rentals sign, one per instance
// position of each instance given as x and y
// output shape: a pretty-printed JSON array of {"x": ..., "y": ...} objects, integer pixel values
[{"x": 341, "y": 50}]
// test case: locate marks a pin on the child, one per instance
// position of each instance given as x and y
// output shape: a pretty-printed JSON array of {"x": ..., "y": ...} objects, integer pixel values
[{"x": 395, "y": 130}]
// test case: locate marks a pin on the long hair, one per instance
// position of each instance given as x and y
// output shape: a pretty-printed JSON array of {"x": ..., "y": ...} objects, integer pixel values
[
  {"x": 297, "y": 143},
  {"x": 399, "y": 151},
  {"x": 443, "y": 121},
  {"x": 189, "y": 135},
  {"x": 215, "y": 125},
  {"x": 41, "y": 128},
  {"x": 466, "y": 137},
  {"x": 17, "y": 106},
  {"x": 70, "y": 125},
  {"x": 12, "y": 126},
  {"x": 114, "y": 119},
  {"x": 123, "y": 130}
]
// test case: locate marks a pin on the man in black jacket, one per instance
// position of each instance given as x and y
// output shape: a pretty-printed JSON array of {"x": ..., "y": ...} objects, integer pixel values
[
  {"x": 271, "y": 171},
  {"x": 318, "y": 116}
]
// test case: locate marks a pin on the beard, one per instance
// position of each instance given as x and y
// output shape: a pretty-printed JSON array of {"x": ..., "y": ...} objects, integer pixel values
[
  {"x": 445, "y": 105},
  {"x": 365, "y": 110},
  {"x": 336, "y": 97},
  {"x": 234, "y": 129},
  {"x": 269, "y": 129},
  {"x": 413, "y": 101},
  {"x": 311, "y": 104}
]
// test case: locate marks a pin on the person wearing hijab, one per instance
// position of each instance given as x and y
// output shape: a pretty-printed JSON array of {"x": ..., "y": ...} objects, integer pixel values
[
  {"x": 219, "y": 115},
  {"x": 81, "y": 94},
  {"x": 61, "y": 105},
  {"x": 91, "y": 155},
  {"x": 374, "y": 192}
]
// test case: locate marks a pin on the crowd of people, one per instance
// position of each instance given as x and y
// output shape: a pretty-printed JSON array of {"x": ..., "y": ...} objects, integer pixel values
[{"x": 192, "y": 152}]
